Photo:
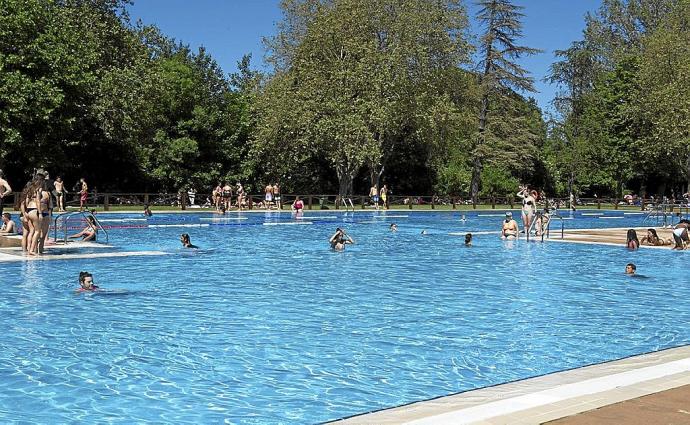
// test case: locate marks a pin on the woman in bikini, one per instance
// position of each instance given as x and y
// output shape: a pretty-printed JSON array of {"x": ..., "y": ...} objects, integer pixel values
[
  {"x": 31, "y": 215},
  {"x": 529, "y": 206},
  {"x": 46, "y": 204}
]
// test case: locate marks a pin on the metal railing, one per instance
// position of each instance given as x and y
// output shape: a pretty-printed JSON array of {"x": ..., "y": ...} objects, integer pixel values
[
  {"x": 545, "y": 231},
  {"x": 65, "y": 217},
  {"x": 106, "y": 200},
  {"x": 663, "y": 214}
]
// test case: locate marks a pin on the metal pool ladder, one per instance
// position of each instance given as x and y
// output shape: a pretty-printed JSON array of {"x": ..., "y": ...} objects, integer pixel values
[
  {"x": 64, "y": 218},
  {"x": 546, "y": 231}
]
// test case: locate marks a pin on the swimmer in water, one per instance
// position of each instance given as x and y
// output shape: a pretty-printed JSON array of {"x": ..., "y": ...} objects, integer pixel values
[
  {"x": 147, "y": 211},
  {"x": 631, "y": 270},
  {"x": 340, "y": 239},
  {"x": 394, "y": 227},
  {"x": 186, "y": 241},
  {"x": 424, "y": 232},
  {"x": 86, "y": 282},
  {"x": 468, "y": 239}
]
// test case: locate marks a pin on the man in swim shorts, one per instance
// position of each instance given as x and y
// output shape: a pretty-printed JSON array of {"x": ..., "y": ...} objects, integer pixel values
[{"x": 510, "y": 227}]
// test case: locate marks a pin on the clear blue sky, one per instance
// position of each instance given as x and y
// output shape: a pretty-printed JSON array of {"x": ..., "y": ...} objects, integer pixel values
[{"x": 230, "y": 28}]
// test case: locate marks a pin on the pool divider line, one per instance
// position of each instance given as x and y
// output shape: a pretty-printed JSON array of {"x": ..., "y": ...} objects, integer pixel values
[
  {"x": 180, "y": 225},
  {"x": 288, "y": 223}
]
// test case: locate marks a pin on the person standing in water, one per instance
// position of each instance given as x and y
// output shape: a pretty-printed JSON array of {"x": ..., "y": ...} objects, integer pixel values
[
  {"x": 510, "y": 227},
  {"x": 339, "y": 239}
]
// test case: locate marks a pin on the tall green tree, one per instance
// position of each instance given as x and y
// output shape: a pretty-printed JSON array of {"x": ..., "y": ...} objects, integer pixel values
[
  {"x": 357, "y": 78},
  {"x": 499, "y": 70}
]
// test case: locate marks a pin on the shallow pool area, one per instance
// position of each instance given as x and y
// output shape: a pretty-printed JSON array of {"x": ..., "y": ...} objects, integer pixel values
[{"x": 265, "y": 324}]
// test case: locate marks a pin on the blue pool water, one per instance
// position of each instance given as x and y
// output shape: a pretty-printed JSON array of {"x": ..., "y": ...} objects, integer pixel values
[{"x": 266, "y": 325}]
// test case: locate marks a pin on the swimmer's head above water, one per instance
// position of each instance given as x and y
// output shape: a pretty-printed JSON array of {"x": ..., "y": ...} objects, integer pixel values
[
  {"x": 86, "y": 282},
  {"x": 630, "y": 268},
  {"x": 394, "y": 227}
]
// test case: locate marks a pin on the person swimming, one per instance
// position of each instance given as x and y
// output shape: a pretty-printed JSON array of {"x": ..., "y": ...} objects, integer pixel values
[
  {"x": 468, "y": 239},
  {"x": 147, "y": 211},
  {"x": 86, "y": 283},
  {"x": 393, "y": 227},
  {"x": 187, "y": 242},
  {"x": 339, "y": 239},
  {"x": 631, "y": 271}
]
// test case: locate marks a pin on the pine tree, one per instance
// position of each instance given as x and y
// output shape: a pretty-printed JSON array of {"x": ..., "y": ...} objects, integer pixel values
[{"x": 499, "y": 70}]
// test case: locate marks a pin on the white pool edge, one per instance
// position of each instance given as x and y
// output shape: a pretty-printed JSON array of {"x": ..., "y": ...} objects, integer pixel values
[{"x": 547, "y": 397}]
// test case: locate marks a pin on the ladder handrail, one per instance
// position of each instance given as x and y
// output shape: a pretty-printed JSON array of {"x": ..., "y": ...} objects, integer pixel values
[
  {"x": 545, "y": 232},
  {"x": 68, "y": 215}
]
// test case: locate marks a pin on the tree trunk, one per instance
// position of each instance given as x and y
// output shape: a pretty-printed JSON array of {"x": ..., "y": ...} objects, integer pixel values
[
  {"x": 477, "y": 160},
  {"x": 687, "y": 173},
  {"x": 346, "y": 176}
]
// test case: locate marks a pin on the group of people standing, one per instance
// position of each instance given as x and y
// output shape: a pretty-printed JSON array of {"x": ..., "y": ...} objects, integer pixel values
[
  {"x": 223, "y": 194},
  {"x": 531, "y": 217},
  {"x": 38, "y": 199},
  {"x": 379, "y": 197}
]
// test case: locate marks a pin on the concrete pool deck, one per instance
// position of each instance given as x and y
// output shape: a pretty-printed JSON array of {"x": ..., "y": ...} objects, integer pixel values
[
  {"x": 609, "y": 236},
  {"x": 64, "y": 252},
  {"x": 550, "y": 397}
]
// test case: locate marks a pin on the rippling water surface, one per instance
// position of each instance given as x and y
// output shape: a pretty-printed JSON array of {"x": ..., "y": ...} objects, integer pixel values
[{"x": 265, "y": 324}]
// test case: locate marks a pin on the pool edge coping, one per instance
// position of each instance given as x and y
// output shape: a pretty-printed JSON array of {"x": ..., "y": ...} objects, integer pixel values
[{"x": 531, "y": 398}]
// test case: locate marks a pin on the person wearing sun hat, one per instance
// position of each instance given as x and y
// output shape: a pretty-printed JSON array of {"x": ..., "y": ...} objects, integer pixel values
[{"x": 510, "y": 227}]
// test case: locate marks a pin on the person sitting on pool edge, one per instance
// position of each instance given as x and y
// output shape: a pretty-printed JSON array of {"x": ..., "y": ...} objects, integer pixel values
[
  {"x": 510, "y": 227},
  {"x": 653, "y": 239},
  {"x": 90, "y": 232},
  {"x": 186, "y": 241},
  {"x": 468, "y": 239},
  {"x": 86, "y": 282},
  {"x": 340, "y": 239}
]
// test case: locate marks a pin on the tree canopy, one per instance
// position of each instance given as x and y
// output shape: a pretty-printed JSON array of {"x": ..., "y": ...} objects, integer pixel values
[{"x": 359, "y": 93}]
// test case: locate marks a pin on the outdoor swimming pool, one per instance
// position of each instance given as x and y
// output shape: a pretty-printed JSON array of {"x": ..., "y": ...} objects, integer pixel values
[{"x": 266, "y": 325}]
